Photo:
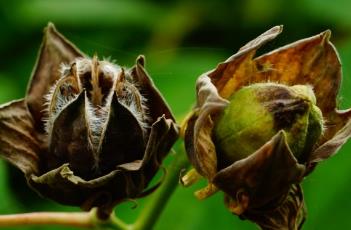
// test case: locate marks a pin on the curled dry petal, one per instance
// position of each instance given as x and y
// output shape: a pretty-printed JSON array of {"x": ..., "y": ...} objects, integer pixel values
[
  {"x": 18, "y": 141},
  {"x": 201, "y": 150},
  {"x": 155, "y": 99},
  {"x": 290, "y": 215}
]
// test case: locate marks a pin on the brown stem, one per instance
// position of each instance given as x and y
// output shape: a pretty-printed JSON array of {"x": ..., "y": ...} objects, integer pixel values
[{"x": 78, "y": 219}]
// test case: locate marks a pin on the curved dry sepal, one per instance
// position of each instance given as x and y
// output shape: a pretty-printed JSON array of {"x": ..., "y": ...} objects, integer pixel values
[
  {"x": 122, "y": 136},
  {"x": 64, "y": 186},
  {"x": 164, "y": 132},
  {"x": 198, "y": 138},
  {"x": 289, "y": 215},
  {"x": 263, "y": 178},
  {"x": 124, "y": 182},
  {"x": 55, "y": 50},
  {"x": 331, "y": 147},
  {"x": 69, "y": 140},
  {"x": 19, "y": 144},
  {"x": 156, "y": 104},
  {"x": 237, "y": 70}
]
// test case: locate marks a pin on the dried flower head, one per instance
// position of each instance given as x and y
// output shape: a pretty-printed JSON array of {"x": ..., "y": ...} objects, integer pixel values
[
  {"x": 261, "y": 124},
  {"x": 88, "y": 133}
]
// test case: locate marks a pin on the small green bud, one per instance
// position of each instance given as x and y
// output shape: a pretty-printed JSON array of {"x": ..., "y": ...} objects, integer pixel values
[{"x": 257, "y": 112}]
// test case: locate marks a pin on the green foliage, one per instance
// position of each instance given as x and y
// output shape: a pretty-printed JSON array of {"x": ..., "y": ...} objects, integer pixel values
[{"x": 180, "y": 40}]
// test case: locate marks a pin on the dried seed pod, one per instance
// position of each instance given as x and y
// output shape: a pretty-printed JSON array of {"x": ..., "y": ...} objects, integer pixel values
[{"x": 88, "y": 133}]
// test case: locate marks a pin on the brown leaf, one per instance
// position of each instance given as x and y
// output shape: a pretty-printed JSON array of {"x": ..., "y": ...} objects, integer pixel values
[{"x": 54, "y": 51}]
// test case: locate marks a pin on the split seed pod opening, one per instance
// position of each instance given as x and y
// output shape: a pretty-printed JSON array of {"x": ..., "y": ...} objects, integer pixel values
[{"x": 88, "y": 133}]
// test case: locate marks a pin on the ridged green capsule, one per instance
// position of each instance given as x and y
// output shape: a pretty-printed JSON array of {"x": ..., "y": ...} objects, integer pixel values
[{"x": 257, "y": 112}]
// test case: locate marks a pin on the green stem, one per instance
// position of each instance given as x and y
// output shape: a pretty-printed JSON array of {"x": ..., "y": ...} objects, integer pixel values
[{"x": 158, "y": 200}]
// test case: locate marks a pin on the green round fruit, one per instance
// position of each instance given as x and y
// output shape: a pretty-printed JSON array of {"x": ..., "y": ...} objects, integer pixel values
[{"x": 257, "y": 112}]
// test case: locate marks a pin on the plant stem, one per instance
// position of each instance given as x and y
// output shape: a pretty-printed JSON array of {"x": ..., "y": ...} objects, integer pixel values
[
  {"x": 158, "y": 200},
  {"x": 72, "y": 219}
]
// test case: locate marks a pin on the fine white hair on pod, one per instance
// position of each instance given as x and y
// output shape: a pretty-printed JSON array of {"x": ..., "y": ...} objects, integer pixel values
[{"x": 77, "y": 78}]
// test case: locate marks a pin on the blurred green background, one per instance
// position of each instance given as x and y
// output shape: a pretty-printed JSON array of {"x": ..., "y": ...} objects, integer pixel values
[{"x": 180, "y": 39}]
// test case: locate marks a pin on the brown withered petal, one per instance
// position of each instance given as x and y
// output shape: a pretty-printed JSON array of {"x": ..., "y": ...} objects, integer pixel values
[
  {"x": 54, "y": 51},
  {"x": 18, "y": 142},
  {"x": 198, "y": 143},
  {"x": 139, "y": 73},
  {"x": 264, "y": 176},
  {"x": 290, "y": 215},
  {"x": 123, "y": 133},
  {"x": 65, "y": 161},
  {"x": 69, "y": 140}
]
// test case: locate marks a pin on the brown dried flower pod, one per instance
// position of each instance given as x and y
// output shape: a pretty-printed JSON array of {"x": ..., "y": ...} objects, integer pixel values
[
  {"x": 88, "y": 133},
  {"x": 261, "y": 124}
]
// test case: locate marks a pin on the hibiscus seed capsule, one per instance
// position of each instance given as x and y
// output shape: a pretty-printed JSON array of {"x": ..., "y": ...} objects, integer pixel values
[{"x": 257, "y": 112}]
